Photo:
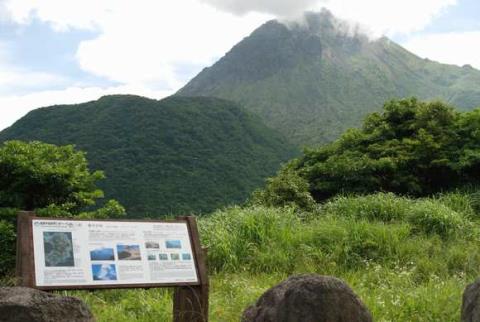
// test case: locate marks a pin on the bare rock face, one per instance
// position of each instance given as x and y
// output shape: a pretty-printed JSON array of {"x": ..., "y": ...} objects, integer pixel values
[
  {"x": 471, "y": 303},
  {"x": 308, "y": 298},
  {"x": 22, "y": 304}
]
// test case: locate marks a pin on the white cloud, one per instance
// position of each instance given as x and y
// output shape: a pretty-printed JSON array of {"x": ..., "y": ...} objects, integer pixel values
[
  {"x": 282, "y": 8},
  {"x": 145, "y": 44},
  {"x": 381, "y": 17},
  {"x": 457, "y": 48},
  {"x": 390, "y": 18},
  {"x": 18, "y": 80},
  {"x": 146, "y": 41},
  {"x": 14, "y": 107}
]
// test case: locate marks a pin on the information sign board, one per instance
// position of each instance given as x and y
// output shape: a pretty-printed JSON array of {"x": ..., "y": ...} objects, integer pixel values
[
  {"x": 65, "y": 253},
  {"x": 74, "y": 253}
]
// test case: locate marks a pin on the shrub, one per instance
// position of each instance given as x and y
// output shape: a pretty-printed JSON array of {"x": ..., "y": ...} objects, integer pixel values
[
  {"x": 250, "y": 238},
  {"x": 366, "y": 241},
  {"x": 461, "y": 202},
  {"x": 475, "y": 202},
  {"x": 7, "y": 246},
  {"x": 260, "y": 239},
  {"x": 385, "y": 207},
  {"x": 433, "y": 218},
  {"x": 285, "y": 189}
]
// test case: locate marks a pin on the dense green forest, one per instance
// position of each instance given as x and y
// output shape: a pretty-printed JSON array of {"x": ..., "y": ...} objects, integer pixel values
[
  {"x": 174, "y": 156},
  {"x": 315, "y": 80}
]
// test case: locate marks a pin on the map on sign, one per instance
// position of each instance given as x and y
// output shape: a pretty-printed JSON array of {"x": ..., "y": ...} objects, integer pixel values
[{"x": 76, "y": 253}]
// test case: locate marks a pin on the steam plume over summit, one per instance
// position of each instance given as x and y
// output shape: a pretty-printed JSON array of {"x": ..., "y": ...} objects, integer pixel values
[{"x": 325, "y": 22}]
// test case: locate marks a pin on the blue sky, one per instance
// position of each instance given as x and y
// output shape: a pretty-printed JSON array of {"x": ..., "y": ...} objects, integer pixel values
[
  {"x": 54, "y": 51},
  {"x": 37, "y": 48}
]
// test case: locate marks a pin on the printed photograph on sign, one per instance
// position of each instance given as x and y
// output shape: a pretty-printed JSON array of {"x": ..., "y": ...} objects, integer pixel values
[
  {"x": 175, "y": 257},
  {"x": 186, "y": 256},
  {"x": 102, "y": 254},
  {"x": 58, "y": 249},
  {"x": 129, "y": 252},
  {"x": 152, "y": 245},
  {"x": 173, "y": 244},
  {"x": 152, "y": 257},
  {"x": 163, "y": 257},
  {"x": 104, "y": 272}
]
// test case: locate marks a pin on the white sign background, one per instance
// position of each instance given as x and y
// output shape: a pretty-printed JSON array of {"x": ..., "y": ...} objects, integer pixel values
[{"x": 76, "y": 253}]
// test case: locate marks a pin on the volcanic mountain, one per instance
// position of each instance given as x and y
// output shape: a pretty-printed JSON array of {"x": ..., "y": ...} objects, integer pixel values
[{"x": 312, "y": 80}]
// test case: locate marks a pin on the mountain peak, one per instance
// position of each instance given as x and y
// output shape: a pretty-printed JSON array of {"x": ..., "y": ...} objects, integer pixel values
[
  {"x": 314, "y": 77},
  {"x": 324, "y": 23}
]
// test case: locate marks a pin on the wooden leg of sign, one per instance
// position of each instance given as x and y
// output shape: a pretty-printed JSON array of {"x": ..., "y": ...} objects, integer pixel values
[
  {"x": 190, "y": 303},
  {"x": 24, "y": 260}
]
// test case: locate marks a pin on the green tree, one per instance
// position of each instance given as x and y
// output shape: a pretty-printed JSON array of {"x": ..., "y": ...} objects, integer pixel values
[
  {"x": 412, "y": 147},
  {"x": 53, "y": 180},
  {"x": 36, "y": 175},
  {"x": 287, "y": 188}
]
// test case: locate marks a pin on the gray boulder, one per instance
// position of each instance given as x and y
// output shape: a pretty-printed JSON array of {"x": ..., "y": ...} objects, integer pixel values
[
  {"x": 22, "y": 304},
  {"x": 471, "y": 303},
  {"x": 308, "y": 298}
]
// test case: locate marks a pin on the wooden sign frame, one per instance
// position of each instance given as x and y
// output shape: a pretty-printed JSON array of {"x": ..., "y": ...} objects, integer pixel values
[{"x": 190, "y": 300}]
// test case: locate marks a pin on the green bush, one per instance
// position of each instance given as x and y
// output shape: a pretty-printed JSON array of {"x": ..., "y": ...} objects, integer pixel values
[
  {"x": 9, "y": 215},
  {"x": 54, "y": 181},
  {"x": 35, "y": 175},
  {"x": 462, "y": 202},
  {"x": 7, "y": 245},
  {"x": 433, "y": 218},
  {"x": 426, "y": 216},
  {"x": 346, "y": 232},
  {"x": 285, "y": 189},
  {"x": 385, "y": 207},
  {"x": 475, "y": 202}
]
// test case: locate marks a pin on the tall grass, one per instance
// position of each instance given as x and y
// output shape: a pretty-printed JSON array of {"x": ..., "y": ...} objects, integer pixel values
[{"x": 409, "y": 260}]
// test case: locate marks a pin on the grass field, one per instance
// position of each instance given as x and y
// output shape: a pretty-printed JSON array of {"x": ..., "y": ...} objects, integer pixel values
[{"x": 407, "y": 259}]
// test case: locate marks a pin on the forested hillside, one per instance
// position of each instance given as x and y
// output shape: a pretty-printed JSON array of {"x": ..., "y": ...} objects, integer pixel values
[
  {"x": 173, "y": 156},
  {"x": 314, "y": 80}
]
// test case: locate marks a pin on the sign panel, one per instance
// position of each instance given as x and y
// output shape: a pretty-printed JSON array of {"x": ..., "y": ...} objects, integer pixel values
[{"x": 110, "y": 253}]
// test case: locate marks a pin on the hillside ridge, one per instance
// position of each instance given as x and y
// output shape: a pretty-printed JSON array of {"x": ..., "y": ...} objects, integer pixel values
[{"x": 172, "y": 156}]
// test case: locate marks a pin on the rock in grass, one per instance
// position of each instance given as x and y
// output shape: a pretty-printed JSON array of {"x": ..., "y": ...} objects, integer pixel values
[
  {"x": 22, "y": 304},
  {"x": 471, "y": 303},
  {"x": 308, "y": 298}
]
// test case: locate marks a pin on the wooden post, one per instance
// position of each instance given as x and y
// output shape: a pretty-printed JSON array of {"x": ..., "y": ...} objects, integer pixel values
[
  {"x": 190, "y": 303},
  {"x": 25, "y": 275}
]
